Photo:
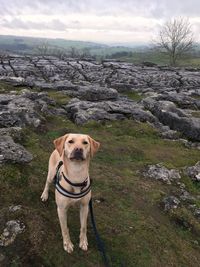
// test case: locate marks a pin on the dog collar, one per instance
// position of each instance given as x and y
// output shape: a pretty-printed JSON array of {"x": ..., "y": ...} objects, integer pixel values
[
  {"x": 67, "y": 193},
  {"x": 83, "y": 184}
]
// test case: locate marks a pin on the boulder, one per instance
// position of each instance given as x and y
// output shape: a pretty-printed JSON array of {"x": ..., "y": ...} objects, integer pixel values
[
  {"x": 83, "y": 111},
  {"x": 168, "y": 114},
  {"x": 97, "y": 93},
  {"x": 11, "y": 131},
  {"x": 182, "y": 100},
  {"x": 194, "y": 172},
  {"x": 197, "y": 212},
  {"x": 23, "y": 109},
  {"x": 170, "y": 134},
  {"x": 12, "y": 152},
  {"x": 161, "y": 173},
  {"x": 186, "y": 196},
  {"x": 170, "y": 202},
  {"x": 10, "y": 232}
]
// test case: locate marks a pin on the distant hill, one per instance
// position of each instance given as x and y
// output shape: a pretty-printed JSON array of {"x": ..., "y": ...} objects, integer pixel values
[
  {"x": 29, "y": 45},
  {"x": 129, "y": 52}
]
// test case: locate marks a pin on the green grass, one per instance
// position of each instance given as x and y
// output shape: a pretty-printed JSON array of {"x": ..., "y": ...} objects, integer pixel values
[
  {"x": 196, "y": 114},
  {"x": 149, "y": 56},
  {"x": 134, "y": 96},
  {"x": 133, "y": 226},
  {"x": 6, "y": 87},
  {"x": 160, "y": 59},
  {"x": 59, "y": 97}
]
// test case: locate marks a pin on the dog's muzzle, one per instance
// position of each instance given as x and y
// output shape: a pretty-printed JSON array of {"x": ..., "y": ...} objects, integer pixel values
[{"x": 77, "y": 154}]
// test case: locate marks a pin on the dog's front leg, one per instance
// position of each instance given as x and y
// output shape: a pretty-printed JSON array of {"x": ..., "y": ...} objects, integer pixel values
[
  {"x": 83, "y": 232},
  {"x": 62, "y": 215},
  {"x": 50, "y": 176}
]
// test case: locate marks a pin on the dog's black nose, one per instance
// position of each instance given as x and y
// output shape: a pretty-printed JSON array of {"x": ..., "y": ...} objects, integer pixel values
[{"x": 78, "y": 150}]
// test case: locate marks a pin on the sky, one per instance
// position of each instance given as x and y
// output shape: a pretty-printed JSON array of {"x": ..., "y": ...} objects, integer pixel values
[{"x": 104, "y": 21}]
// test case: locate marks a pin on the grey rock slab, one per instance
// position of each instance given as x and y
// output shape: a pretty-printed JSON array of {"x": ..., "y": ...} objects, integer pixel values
[
  {"x": 186, "y": 196},
  {"x": 194, "y": 172},
  {"x": 82, "y": 111},
  {"x": 97, "y": 93},
  {"x": 197, "y": 212},
  {"x": 11, "y": 131},
  {"x": 175, "y": 118},
  {"x": 10, "y": 232},
  {"x": 23, "y": 109},
  {"x": 15, "y": 208},
  {"x": 171, "y": 90},
  {"x": 13, "y": 152},
  {"x": 170, "y": 202},
  {"x": 161, "y": 173},
  {"x": 170, "y": 134},
  {"x": 180, "y": 99},
  {"x": 43, "y": 72}
]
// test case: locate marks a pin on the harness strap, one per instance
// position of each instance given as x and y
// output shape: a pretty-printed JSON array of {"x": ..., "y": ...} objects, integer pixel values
[
  {"x": 57, "y": 176},
  {"x": 83, "y": 184},
  {"x": 66, "y": 193}
]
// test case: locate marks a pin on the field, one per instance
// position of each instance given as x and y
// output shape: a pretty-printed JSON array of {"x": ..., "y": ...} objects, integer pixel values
[
  {"x": 161, "y": 59},
  {"x": 132, "y": 223}
]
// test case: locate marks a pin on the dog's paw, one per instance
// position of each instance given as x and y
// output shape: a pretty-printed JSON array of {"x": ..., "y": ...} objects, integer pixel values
[
  {"x": 83, "y": 244},
  {"x": 68, "y": 246},
  {"x": 44, "y": 196}
]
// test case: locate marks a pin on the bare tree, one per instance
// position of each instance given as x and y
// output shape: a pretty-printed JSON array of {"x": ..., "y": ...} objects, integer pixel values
[
  {"x": 58, "y": 52},
  {"x": 42, "y": 49},
  {"x": 73, "y": 52},
  {"x": 85, "y": 52},
  {"x": 3, "y": 54},
  {"x": 175, "y": 38}
]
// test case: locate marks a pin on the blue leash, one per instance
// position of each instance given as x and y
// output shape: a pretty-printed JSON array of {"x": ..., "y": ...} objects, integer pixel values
[{"x": 100, "y": 244}]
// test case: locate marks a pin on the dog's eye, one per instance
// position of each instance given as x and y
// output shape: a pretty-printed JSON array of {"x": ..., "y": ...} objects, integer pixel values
[
  {"x": 71, "y": 141},
  {"x": 85, "y": 142}
]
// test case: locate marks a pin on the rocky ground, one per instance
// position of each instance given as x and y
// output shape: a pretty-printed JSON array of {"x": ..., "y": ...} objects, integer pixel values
[
  {"x": 155, "y": 108},
  {"x": 170, "y": 96}
]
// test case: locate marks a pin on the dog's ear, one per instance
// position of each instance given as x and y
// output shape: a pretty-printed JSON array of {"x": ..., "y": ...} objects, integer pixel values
[
  {"x": 94, "y": 146},
  {"x": 59, "y": 143}
]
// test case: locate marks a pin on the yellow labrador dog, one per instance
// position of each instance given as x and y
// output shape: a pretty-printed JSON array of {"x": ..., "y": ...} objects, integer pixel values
[{"x": 69, "y": 167}]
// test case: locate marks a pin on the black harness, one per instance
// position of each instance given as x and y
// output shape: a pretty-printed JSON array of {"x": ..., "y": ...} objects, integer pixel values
[{"x": 64, "y": 192}]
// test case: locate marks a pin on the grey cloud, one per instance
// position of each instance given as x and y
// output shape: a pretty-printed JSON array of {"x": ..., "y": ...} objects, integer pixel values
[
  {"x": 58, "y": 25},
  {"x": 20, "y": 24},
  {"x": 14, "y": 14},
  {"x": 147, "y": 8},
  {"x": 173, "y": 8}
]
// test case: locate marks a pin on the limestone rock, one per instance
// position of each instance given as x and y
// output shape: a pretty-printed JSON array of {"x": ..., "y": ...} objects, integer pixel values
[
  {"x": 22, "y": 109},
  {"x": 83, "y": 111},
  {"x": 175, "y": 118},
  {"x": 10, "y": 232},
  {"x": 170, "y": 202},
  {"x": 161, "y": 173},
  {"x": 95, "y": 93},
  {"x": 12, "y": 152},
  {"x": 194, "y": 172},
  {"x": 170, "y": 93}
]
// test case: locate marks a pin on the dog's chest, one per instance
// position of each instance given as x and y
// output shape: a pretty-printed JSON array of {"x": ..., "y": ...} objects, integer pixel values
[{"x": 65, "y": 202}]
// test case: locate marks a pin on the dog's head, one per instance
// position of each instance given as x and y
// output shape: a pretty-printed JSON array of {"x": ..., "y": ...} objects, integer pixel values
[{"x": 77, "y": 147}]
